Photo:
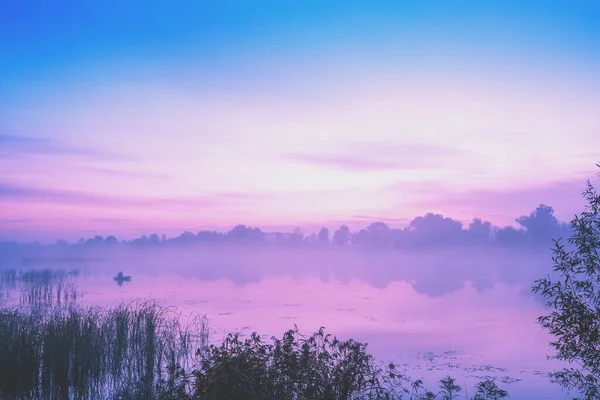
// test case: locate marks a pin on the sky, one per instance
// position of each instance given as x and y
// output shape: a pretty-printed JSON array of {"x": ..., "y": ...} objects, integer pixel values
[{"x": 135, "y": 117}]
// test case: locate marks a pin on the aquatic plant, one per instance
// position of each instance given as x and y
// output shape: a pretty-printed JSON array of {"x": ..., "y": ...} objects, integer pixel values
[
  {"x": 130, "y": 351},
  {"x": 298, "y": 367},
  {"x": 39, "y": 299},
  {"x": 488, "y": 390},
  {"x": 52, "y": 348},
  {"x": 38, "y": 291},
  {"x": 142, "y": 350},
  {"x": 11, "y": 277}
]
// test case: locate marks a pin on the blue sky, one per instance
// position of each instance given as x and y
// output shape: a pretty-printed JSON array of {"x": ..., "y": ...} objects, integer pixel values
[
  {"x": 52, "y": 40},
  {"x": 354, "y": 107}
]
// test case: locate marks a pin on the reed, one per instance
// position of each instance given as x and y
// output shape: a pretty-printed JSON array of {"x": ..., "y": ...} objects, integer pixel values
[
  {"x": 11, "y": 277},
  {"x": 131, "y": 351},
  {"x": 53, "y": 348}
]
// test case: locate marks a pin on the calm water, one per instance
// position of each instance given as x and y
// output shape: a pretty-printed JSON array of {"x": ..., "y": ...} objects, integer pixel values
[{"x": 463, "y": 313}]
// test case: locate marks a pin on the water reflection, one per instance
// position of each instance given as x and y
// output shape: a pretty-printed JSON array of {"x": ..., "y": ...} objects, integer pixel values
[
  {"x": 433, "y": 313},
  {"x": 468, "y": 333}
]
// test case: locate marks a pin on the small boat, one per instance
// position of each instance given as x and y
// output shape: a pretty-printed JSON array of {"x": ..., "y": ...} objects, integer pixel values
[{"x": 120, "y": 278}]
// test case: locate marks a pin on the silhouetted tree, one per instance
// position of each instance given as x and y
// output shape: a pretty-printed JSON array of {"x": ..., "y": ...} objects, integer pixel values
[
  {"x": 359, "y": 238},
  {"x": 154, "y": 240},
  {"x": 209, "y": 236},
  {"x": 435, "y": 229},
  {"x": 245, "y": 234},
  {"x": 185, "y": 238},
  {"x": 341, "y": 237},
  {"x": 431, "y": 229},
  {"x": 111, "y": 241},
  {"x": 96, "y": 241},
  {"x": 540, "y": 225},
  {"x": 311, "y": 239},
  {"x": 399, "y": 237},
  {"x": 479, "y": 232},
  {"x": 573, "y": 296},
  {"x": 376, "y": 235},
  {"x": 509, "y": 236},
  {"x": 323, "y": 236}
]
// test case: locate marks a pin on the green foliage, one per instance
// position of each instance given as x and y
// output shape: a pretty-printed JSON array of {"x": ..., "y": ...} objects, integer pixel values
[
  {"x": 142, "y": 351},
  {"x": 488, "y": 390},
  {"x": 450, "y": 389},
  {"x": 295, "y": 367},
  {"x": 51, "y": 348},
  {"x": 573, "y": 296},
  {"x": 129, "y": 352}
]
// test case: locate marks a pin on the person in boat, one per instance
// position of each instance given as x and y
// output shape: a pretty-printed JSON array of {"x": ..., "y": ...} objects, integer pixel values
[{"x": 120, "y": 278}]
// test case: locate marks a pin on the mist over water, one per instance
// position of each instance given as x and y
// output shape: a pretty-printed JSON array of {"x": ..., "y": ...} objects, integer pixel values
[
  {"x": 465, "y": 312},
  {"x": 384, "y": 169}
]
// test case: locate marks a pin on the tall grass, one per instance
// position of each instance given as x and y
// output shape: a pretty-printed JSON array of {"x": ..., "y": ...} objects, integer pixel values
[
  {"x": 53, "y": 348},
  {"x": 40, "y": 299},
  {"x": 143, "y": 350},
  {"x": 41, "y": 287},
  {"x": 10, "y": 278},
  {"x": 133, "y": 351}
]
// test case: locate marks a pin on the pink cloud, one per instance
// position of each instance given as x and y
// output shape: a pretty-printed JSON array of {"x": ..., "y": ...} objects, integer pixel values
[
  {"x": 57, "y": 196},
  {"x": 385, "y": 156}
]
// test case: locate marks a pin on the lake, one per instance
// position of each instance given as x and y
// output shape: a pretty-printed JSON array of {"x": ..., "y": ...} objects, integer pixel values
[{"x": 467, "y": 313}]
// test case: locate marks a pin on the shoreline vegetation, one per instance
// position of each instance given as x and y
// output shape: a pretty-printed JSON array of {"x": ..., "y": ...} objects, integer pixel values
[
  {"x": 534, "y": 231},
  {"x": 51, "y": 347}
]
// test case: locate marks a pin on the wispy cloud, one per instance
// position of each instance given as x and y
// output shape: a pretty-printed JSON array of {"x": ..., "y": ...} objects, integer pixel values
[
  {"x": 343, "y": 161},
  {"x": 111, "y": 221},
  {"x": 381, "y": 156},
  {"x": 43, "y": 195},
  {"x": 376, "y": 219},
  {"x": 19, "y": 146},
  {"x": 124, "y": 173},
  {"x": 357, "y": 222}
]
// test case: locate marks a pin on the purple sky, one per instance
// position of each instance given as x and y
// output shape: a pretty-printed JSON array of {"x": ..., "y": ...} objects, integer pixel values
[{"x": 293, "y": 118}]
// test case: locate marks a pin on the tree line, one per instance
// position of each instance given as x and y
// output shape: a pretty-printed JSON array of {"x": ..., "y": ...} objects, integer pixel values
[{"x": 534, "y": 230}]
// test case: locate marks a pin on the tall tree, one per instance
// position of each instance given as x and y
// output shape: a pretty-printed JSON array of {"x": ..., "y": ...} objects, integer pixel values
[
  {"x": 341, "y": 237},
  {"x": 479, "y": 231},
  {"x": 540, "y": 225},
  {"x": 573, "y": 296},
  {"x": 323, "y": 236}
]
